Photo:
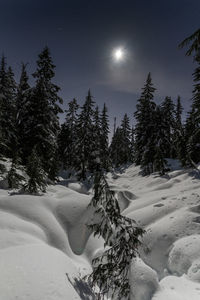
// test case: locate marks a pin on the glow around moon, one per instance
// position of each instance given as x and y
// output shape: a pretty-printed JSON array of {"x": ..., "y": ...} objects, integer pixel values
[{"x": 118, "y": 54}]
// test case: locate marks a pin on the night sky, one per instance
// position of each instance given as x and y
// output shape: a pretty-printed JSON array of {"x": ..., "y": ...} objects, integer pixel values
[{"x": 82, "y": 35}]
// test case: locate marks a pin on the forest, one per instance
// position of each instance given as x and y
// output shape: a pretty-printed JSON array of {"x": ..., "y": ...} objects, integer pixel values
[{"x": 32, "y": 136}]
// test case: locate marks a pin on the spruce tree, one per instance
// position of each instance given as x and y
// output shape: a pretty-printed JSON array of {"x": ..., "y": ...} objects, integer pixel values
[
  {"x": 22, "y": 112},
  {"x": 42, "y": 119},
  {"x": 13, "y": 142},
  {"x": 126, "y": 140},
  {"x": 144, "y": 129},
  {"x": 120, "y": 147},
  {"x": 98, "y": 138},
  {"x": 7, "y": 110},
  {"x": 64, "y": 146},
  {"x": 14, "y": 178},
  {"x": 85, "y": 147},
  {"x": 68, "y": 136},
  {"x": 115, "y": 149},
  {"x": 37, "y": 177},
  {"x": 192, "y": 128},
  {"x": 178, "y": 113},
  {"x": 193, "y": 120},
  {"x": 111, "y": 270},
  {"x": 167, "y": 109},
  {"x": 179, "y": 134},
  {"x": 104, "y": 142},
  {"x": 132, "y": 143},
  {"x": 160, "y": 140}
]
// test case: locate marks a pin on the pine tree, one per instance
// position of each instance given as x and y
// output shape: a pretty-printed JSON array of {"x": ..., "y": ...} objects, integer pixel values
[
  {"x": 98, "y": 138},
  {"x": 37, "y": 176},
  {"x": 167, "y": 108},
  {"x": 64, "y": 146},
  {"x": 179, "y": 134},
  {"x": 132, "y": 144},
  {"x": 86, "y": 140},
  {"x": 126, "y": 140},
  {"x": 145, "y": 113},
  {"x": 193, "y": 120},
  {"x": 13, "y": 142},
  {"x": 104, "y": 143},
  {"x": 14, "y": 178},
  {"x": 22, "y": 111},
  {"x": 178, "y": 113},
  {"x": 159, "y": 162},
  {"x": 68, "y": 136},
  {"x": 114, "y": 127},
  {"x": 120, "y": 147},
  {"x": 7, "y": 110},
  {"x": 111, "y": 270},
  {"x": 42, "y": 119},
  {"x": 115, "y": 148}
]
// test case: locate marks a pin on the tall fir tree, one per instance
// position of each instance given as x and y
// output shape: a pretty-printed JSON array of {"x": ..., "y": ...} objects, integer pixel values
[
  {"x": 192, "y": 129},
  {"x": 7, "y": 110},
  {"x": 22, "y": 111},
  {"x": 37, "y": 177},
  {"x": 132, "y": 144},
  {"x": 104, "y": 142},
  {"x": 193, "y": 121},
  {"x": 126, "y": 140},
  {"x": 178, "y": 112},
  {"x": 168, "y": 110},
  {"x": 14, "y": 177},
  {"x": 85, "y": 147},
  {"x": 120, "y": 147},
  {"x": 42, "y": 120},
  {"x": 160, "y": 140},
  {"x": 179, "y": 134},
  {"x": 68, "y": 136},
  {"x": 144, "y": 129},
  {"x": 115, "y": 149},
  {"x": 97, "y": 135}
]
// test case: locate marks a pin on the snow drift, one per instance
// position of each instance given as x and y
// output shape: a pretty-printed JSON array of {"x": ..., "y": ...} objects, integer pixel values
[{"x": 43, "y": 238}]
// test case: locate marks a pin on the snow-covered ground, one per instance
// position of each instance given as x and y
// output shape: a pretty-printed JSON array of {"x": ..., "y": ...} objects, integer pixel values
[{"x": 44, "y": 237}]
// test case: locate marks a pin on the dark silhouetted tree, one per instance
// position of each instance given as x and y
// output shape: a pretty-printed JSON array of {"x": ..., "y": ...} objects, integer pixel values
[{"x": 144, "y": 129}]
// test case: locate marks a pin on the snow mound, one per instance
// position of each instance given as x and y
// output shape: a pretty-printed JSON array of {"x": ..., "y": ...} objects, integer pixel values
[
  {"x": 35, "y": 272},
  {"x": 143, "y": 280},
  {"x": 185, "y": 251},
  {"x": 177, "y": 288},
  {"x": 39, "y": 236}
]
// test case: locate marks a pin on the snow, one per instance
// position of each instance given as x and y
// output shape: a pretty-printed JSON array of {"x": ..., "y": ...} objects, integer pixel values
[
  {"x": 177, "y": 288},
  {"x": 35, "y": 272},
  {"x": 143, "y": 280},
  {"x": 43, "y": 238},
  {"x": 185, "y": 251}
]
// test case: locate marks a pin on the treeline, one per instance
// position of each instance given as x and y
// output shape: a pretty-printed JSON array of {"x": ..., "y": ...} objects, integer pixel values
[
  {"x": 31, "y": 135},
  {"x": 83, "y": 139}
]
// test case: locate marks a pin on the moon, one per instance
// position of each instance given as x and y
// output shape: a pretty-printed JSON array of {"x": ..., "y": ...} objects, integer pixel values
[{"x": 118, "y": 54}]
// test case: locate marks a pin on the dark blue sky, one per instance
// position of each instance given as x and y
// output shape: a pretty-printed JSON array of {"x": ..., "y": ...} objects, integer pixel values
[{"x": 82, "y": 34}]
